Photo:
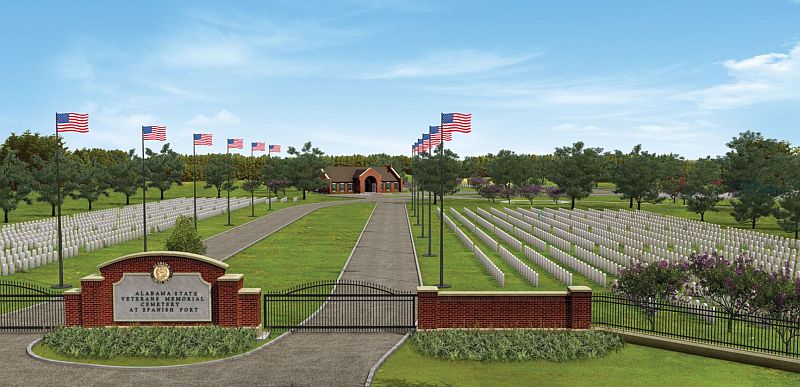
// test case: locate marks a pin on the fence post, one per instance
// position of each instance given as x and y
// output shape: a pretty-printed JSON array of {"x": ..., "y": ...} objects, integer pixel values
[
  {"x": 579, "y": 307},
  {"x": 427, "y": 307}
]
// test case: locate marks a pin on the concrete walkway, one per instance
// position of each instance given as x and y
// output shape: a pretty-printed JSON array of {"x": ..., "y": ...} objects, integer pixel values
[{"x": 383, "y": 255}]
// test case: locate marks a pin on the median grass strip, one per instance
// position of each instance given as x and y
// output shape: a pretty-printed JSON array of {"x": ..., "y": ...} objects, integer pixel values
[{"x": 632, "y": 365}]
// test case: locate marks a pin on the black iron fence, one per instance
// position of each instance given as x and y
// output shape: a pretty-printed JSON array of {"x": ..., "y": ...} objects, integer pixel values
[
  {"x": 27, "y": 307},
  {"x": 340, "y": 306},
  {"x": 697, "y": 322}
]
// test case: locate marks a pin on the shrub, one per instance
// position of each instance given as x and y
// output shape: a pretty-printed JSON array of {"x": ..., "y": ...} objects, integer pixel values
[
  {"x": 515, "y": 345},
  {"x": 184, "y": 237},
  {"x": 645, "y": 285},
  {"x": 164, "y": 342}
]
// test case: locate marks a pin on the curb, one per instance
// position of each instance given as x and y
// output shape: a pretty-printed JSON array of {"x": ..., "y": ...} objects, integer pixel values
[
  {"x": 383, "y": 358},
  {"x": 29, "y": 350}
]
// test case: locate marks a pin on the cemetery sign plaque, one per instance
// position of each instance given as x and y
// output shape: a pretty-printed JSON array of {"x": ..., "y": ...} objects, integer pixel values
[{"x": 162, "y": 295}]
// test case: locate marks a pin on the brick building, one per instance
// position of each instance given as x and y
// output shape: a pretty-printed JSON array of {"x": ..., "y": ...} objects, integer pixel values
[{"x": 342, "y": 180}]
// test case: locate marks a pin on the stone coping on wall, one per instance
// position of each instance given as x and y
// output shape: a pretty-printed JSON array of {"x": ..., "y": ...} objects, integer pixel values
[
  {"x": 72, "y": 291},
  {"x": 250, "y": 291},
  {"x": 177, "y": 254},
  {"x": 93, "y": 278},
  {"x": 532, "y": 293},
  {"x": 230, "y": 277}
]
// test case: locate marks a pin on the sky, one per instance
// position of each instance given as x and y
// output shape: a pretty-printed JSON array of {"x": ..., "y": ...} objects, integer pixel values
[{"x": 369, "y": 76}]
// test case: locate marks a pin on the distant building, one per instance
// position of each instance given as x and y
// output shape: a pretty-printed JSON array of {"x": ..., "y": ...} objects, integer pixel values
[{"x": 346, "y": 180}]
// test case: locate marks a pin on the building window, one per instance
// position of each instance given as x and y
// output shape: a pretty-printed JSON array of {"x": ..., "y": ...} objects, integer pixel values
[
  {"x": 349, "y": 187},
  {"x": 333, "y": 187},
  {"x": 341, "y": 187},
  {"x": 396, "y": 186}
]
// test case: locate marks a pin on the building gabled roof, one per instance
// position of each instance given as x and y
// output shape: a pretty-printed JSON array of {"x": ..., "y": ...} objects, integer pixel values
[{"x": 347, "y": 174}]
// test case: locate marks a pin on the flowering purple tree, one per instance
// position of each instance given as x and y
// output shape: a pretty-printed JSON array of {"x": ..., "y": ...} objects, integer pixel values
[
  {"x": 489, "y": 191},
  {"x": 645, "y": 286},
  {"x": 478, "y": 182},
  {"x": 530, "y": 192},
  {"x": 730, "y": 284},
  {"x": 554, "y": 193},
  {"x": 276, "y": 185},
  {"x": 508, "y": 193},
  {"x": 778, "y": 301}
]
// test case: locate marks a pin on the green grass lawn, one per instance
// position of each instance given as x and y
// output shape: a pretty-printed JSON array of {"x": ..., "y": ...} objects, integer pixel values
[
  {"x": 38, "y": 210},
  {"x": 86, "y": 263},
  {"x": 632, "y": 366}
]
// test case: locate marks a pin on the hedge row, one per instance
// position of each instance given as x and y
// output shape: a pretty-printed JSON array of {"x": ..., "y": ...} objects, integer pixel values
[
  {"x": 164, "y": 342},
  {"x": 499, "y": 345}
]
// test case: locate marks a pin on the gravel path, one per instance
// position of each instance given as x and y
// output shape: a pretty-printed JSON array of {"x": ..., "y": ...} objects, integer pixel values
[{"x": 383, "y": 255}]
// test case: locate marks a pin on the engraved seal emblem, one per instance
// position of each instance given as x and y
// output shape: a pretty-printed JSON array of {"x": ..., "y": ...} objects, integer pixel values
[{"x": 161, "y": 273}]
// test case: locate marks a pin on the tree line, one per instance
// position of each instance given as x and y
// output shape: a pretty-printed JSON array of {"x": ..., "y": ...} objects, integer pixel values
[
  {"x": 758, "y": 174},
  {"x": 28, "y": 172}
]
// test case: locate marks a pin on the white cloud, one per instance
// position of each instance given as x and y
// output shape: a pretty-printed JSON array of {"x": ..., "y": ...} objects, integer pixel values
[
  {"x": 456, "y": 62},
  {"x": 761, "y": 78},
  {"x": 222, "y": 118}
]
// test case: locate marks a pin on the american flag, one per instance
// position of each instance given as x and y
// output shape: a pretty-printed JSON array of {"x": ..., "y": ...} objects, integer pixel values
[
  {"x": 235, "y": 143},
  {"x": 275, "y": 148},
  {"x": 456, "y": 122},
  {"x": 426, "y": 142},
  {"x": 437, "y": 135},
  {"x": 257, "y": 146},
  {"x": 156, "y": 133},
  {"x": 419, "y": 145},
  {"x": 72, "y": 122},
  {"x": 202, "y": 139}
]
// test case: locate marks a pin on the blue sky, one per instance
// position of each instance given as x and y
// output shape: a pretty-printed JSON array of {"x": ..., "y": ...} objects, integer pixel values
[{"x": 367, "y": 76}]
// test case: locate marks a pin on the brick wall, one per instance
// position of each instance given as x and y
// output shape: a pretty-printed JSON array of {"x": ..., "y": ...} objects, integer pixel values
[
  {"x": 92, "y": 305},
  {"x": 569, "y": 309},
  {"x": 249, "y": 307}
]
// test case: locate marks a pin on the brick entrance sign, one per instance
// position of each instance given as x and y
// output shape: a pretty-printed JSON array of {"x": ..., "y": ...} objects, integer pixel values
[
  {"x": 571, "y": 309},
  {"x": 163, "y": 288}
]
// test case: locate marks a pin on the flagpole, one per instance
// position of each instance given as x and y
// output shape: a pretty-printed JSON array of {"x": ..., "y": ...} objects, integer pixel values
[
  {"x": 61, "y": 284},
  {"x": 430, "y": 202},
  {"x": 269, "y": 189},
  {"x": 253, "y": 192},
  {"x": 229, "y": 183},
  {"x": 416, "y": 177},
  {"x": 441, "y": 204},
  {"x": 422, "y": 198},
  {"x": 194, "y": 174},
  {"x": 413, "y": 198},
  {"x": 144, "y": 196}
]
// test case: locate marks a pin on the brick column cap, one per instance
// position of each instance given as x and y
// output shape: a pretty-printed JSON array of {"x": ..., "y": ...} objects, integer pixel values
[
  {"x": 72, "y": 292},
  {"x": 427, "y": 289},
  {"x": 579, "y": 289},
  {"x": 250, "y": 291},
  {"x": 231, "y": 277},
  {"x": 93, "y": 278}
]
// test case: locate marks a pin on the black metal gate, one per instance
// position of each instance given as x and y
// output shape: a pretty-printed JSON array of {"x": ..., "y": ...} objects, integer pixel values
[
  {"x": 340, "y": 306},
  {"x": 27, "y": 307}
]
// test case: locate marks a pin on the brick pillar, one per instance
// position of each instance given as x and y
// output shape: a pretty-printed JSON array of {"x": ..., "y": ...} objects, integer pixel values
[
  {"x": 228, "y": 299},
  {"x": 73, "y": 312},
  {"x": 579, "y": 315},
  {"x": 94, "y": 305},
  {"x": 427, "y": 307},
  {"x": 250, "y": 307}
]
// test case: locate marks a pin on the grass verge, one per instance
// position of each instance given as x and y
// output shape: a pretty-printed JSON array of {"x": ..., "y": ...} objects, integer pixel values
[{"x": 630, "y": 366}]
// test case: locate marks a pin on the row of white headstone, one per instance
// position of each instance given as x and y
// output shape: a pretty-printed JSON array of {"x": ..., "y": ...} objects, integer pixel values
[
  {"x": 494, "y": 223},
  {"x": 487, "y": 263},
  {"x": 35, "y": 243},
  {"x": 684, "y": 242}
]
